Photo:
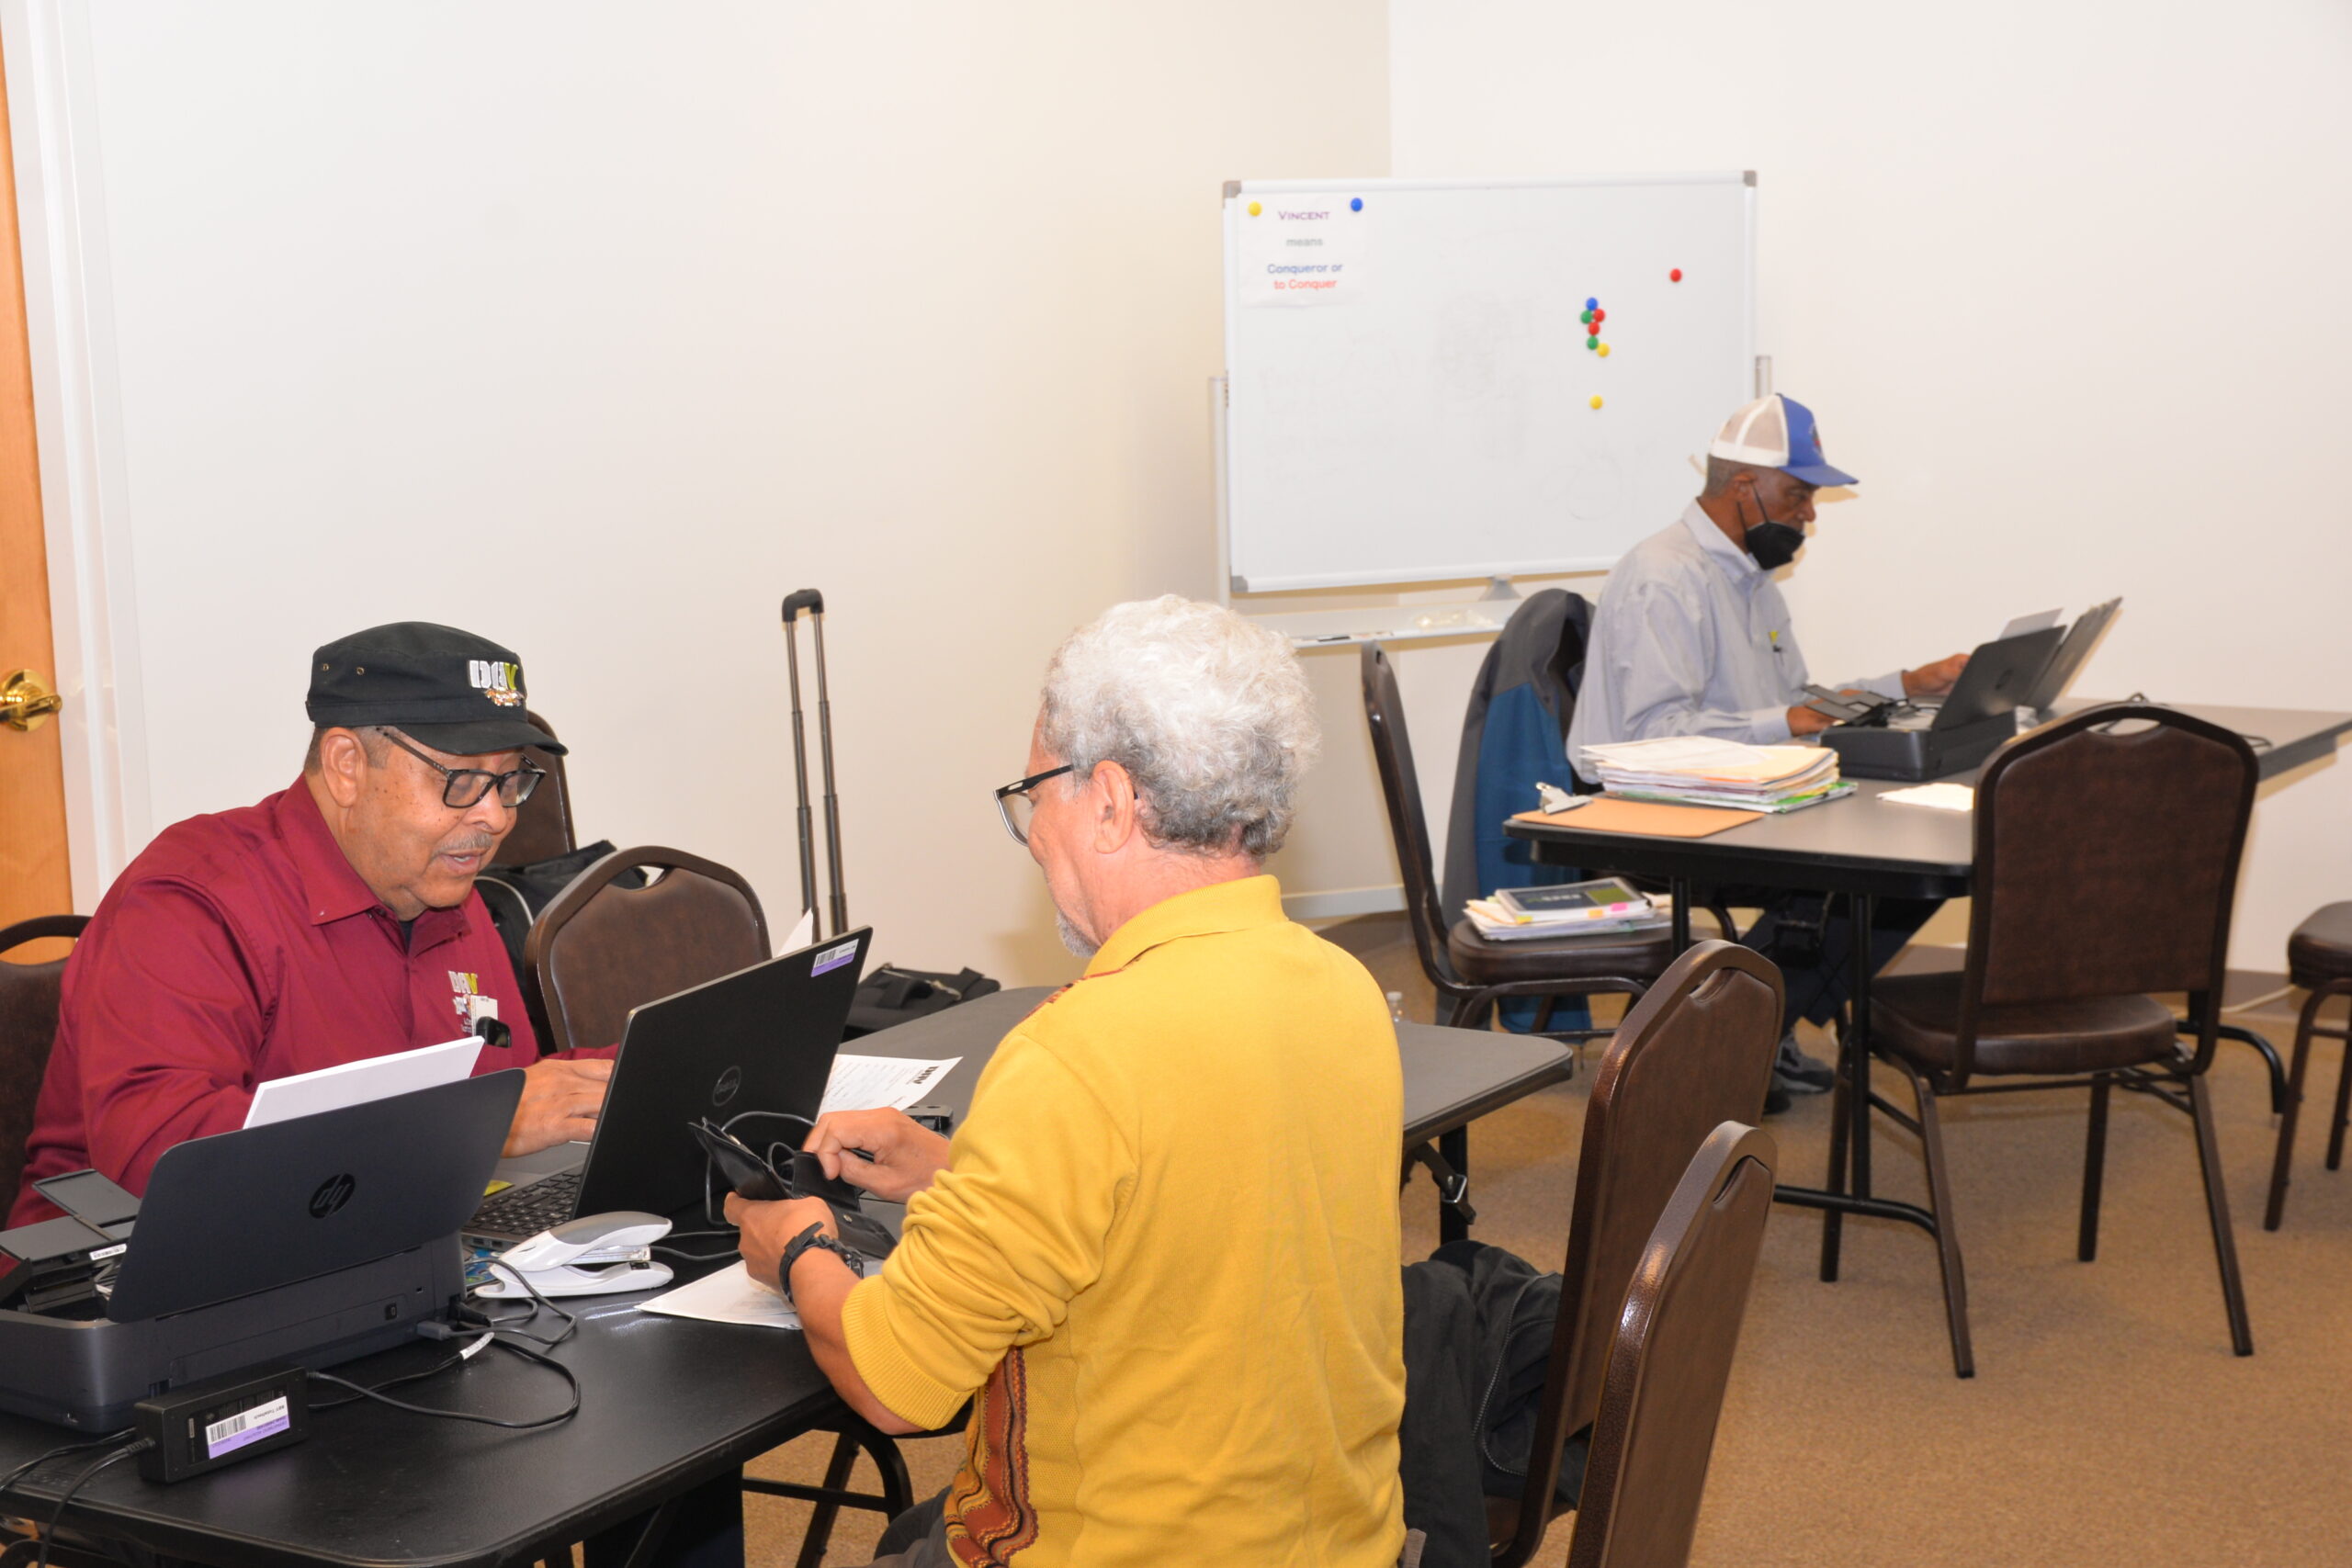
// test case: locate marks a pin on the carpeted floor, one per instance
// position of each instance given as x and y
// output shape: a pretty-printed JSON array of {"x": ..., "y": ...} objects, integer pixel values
[{"x": 2107, "y": 1421}]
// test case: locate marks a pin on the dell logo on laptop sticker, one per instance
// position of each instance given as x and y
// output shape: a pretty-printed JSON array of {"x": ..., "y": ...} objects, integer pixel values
[
  {"x": 333, "y": 1194},
  {"x": 729, "y": 1083}
]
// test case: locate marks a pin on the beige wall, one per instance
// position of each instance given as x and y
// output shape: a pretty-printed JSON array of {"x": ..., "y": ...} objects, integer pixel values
[
  {"x": 598, "y": 327},
  {"x": 2065, "y": 284}
]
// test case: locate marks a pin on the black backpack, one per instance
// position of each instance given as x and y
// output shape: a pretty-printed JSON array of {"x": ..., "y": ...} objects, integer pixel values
[
  {"x": 891, "y": 995},
  {"x": 515, "y": 893}
]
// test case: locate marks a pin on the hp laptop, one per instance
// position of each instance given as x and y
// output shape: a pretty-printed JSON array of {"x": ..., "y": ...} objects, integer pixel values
[
  {"x": 761, "y": 1039},
  {"x": 1971, "y": 722},
  {"x": 2073, "y": 653},
  {"x": 248, "y": 1211}
]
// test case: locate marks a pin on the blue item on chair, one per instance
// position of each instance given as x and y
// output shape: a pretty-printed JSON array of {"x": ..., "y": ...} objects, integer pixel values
[{"x": 1514, "y": 734}]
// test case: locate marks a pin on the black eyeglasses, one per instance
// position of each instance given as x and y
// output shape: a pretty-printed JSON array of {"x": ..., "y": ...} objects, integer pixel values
[
  {"x": 1013, "y": 802},
  {"x": 462, "y": 787}
]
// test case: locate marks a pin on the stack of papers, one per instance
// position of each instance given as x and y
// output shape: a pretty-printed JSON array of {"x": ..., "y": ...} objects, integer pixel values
[
  {"x": 1581, "y": 908},
  {"x": 1943, "y": 796},
  {"x": 1689, "y": 770}
]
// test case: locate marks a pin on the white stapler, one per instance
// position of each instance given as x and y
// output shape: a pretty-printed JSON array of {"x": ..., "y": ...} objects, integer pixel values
[{"x": 595, "y": 1254}]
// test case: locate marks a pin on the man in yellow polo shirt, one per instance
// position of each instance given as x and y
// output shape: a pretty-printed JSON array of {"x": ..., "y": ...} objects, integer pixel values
[{"x": 1160, "y": 1254}]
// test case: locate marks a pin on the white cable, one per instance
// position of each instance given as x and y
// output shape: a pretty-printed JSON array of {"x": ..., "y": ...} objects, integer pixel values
[{"x": 2258, "y": 1001}]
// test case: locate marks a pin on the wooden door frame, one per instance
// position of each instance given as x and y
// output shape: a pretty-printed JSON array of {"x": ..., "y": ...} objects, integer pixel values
[{"x": 45, "y": 48}]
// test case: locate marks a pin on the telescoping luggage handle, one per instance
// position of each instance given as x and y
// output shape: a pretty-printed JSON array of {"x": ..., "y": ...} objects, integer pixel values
[{"x": 813, "y": 602}]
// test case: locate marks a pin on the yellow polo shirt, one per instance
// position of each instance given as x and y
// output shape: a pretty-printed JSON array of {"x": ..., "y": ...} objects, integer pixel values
[{"x": 1164, "y": 1256}]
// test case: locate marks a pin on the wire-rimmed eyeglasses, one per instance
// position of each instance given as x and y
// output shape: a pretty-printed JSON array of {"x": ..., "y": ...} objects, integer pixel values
[
  {"x": 462, "y": 787},
  {"x": 1014, "y": 805}
]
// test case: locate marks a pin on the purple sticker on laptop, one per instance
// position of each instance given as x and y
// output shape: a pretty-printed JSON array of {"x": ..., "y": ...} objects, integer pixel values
[{"x": 832, "y": 958}]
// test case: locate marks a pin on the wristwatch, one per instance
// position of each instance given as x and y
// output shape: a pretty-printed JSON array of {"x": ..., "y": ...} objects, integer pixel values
[{"x": 815, "y": 1236}]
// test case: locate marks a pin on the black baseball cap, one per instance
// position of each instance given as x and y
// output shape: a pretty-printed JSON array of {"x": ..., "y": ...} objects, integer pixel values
[{"x": 459, "y": 693}]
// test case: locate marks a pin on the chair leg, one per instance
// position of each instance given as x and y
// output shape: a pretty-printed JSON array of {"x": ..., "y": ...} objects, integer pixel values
[
  {"x": 821, "y": 1521},
  {"x": 2343, "y": 1099},
  {"x": 1455, "y": 1147},
  {"x": 1832, "y": 1221},
  {"x": 1940, "y": 1203},
  {"x": 2094, "y": 1168},
  {"x": 2282, "y": 1162},
  {"x": 2217, "y": 1208},
  {"x": 2269, "y": 1055}
]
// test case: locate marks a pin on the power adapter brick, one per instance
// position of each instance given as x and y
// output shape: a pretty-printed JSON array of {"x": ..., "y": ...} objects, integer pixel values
[{"x": 204, "y": 1425}]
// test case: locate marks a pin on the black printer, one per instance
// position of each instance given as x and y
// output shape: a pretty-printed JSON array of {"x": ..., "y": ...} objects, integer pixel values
[{"x": 1899, "y": 741}]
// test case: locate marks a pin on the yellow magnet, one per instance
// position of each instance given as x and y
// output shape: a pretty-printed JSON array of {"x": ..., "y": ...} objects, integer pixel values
[
  {"x": 1602, "y": 351},
  {"x": 1255, "y": 209},
  {"x": 1596, "y": 400}
]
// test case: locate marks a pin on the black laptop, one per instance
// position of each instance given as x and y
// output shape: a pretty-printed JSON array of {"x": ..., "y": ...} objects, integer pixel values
[
  {"x": 245, "y": 1212},
  {"x": 2071, "y": 655},
  {"x": 1965, "y": 728},
  {"x": 761, "y": 1039}
]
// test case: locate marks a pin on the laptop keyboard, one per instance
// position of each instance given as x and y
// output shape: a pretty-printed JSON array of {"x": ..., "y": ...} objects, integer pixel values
[{"x": 527, "y": 1210}]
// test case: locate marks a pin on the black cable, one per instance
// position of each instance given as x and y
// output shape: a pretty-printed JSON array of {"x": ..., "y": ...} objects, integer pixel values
[
  {"x": 683, "y": 1256},
  {"x": 57, "y": 1515},
  {"x": 514, "y": 1325},
  {"x": 9, "y": 1482},
  {"x": 495, "y": 1336},
  {"x": 442, "y": 1365}
]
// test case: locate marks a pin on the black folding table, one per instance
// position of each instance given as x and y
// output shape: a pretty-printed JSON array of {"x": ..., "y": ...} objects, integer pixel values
[
  {"x": 667, "y": 1403},
  {"x": 1867, "y": 849}
]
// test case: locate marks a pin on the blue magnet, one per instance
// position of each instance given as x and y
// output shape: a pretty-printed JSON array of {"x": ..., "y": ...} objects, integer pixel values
[
  {"x": 1592, "y": 304},
  {"x": 1356, "y": 205}
]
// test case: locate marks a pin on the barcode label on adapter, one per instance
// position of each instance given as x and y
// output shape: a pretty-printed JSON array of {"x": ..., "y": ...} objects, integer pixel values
[{"x": 234, "y": 1432}]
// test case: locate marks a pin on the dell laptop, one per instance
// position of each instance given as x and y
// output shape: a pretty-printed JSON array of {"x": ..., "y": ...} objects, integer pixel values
[{"x": 762, "y": 1039}]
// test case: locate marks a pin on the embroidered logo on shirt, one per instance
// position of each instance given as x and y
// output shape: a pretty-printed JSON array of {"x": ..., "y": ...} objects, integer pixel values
[{"x": 988, "y": 1514}]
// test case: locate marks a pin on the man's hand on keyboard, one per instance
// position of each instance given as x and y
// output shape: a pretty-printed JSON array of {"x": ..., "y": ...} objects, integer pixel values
[
  {"x": 561, "y": 1099},
  {"x": 907, "y": 1154}
]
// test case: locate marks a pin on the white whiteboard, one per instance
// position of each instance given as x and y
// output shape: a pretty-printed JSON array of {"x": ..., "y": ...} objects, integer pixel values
[{"x": 1420, "y": 406}]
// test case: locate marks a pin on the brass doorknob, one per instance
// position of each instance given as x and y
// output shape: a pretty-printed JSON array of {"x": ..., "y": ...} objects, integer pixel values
[{"x": 24, "y": 702}]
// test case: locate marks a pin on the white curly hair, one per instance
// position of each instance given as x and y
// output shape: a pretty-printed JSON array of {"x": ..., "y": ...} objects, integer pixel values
[{"x": 1210, "y": 715}]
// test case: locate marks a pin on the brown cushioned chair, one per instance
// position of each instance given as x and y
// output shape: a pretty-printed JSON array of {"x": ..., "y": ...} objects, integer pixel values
[
  {"x": 29, "y": 994},
  {"x": 2106, "y": 849},
  {"x": 2318, "y": 959},
  {"x": 1671, "y": 1358},
  {"x": 1695, "y": 1054},
  {"x": 543, "y": 828},
  {"x": 597, "y": 950}
]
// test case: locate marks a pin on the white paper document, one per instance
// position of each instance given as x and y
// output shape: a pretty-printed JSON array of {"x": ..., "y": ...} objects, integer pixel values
[
  {"x": 893, "y": 1083},
  {"x": 356, "y": 1083},
  {"x": 1943, "y": 796},
  {"x": 2041, "y": 620},
  {"x": 804, "y": 931},
  {"x": 731, "y": 1295}
]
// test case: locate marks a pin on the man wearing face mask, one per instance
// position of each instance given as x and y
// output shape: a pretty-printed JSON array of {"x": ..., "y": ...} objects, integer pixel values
[{"x": 1693, "y": 638}]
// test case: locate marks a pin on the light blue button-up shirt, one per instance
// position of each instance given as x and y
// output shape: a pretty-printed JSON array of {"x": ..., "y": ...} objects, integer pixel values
[{"x": 1693, "y": 637}]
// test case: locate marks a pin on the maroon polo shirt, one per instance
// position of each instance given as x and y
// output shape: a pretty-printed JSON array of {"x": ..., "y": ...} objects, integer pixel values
[{"x": 237, "y": 948}]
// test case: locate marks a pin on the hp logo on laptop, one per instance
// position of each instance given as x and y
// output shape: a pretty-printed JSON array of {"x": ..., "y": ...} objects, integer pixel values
[
  {"x": 333, "y": 1194},
  {"x": 730, "y": 1084}
]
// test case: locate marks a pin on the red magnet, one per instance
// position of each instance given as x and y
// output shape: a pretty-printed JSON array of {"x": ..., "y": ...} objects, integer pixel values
[
  {"x": 1599, "y": 317},
  {"x": 1675, "y": 276}
]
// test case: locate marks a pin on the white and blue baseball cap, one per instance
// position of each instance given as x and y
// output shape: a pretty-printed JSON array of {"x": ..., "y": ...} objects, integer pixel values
[{"x": 1777, "y": 432}]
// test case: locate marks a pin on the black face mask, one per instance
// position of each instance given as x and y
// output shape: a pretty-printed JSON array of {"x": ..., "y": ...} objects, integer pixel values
[{"x": 1772, "y": 545}]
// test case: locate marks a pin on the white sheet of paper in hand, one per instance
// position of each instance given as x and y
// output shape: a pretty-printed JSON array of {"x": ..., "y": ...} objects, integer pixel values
[
  {"x": 356, "y": 1083},
  {"x": 871, "y": 1083},
  {"x": 731, "y": 1295}
]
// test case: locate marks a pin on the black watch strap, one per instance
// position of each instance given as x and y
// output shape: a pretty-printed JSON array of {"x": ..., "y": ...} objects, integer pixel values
[{"x": 815, "y": 1236}]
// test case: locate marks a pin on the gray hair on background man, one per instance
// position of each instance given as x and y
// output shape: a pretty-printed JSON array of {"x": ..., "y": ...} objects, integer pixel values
[{"x": 1210, "y": 715}]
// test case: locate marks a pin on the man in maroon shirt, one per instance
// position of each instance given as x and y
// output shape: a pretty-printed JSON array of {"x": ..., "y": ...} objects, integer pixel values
[{"x": 334, "y": 921}]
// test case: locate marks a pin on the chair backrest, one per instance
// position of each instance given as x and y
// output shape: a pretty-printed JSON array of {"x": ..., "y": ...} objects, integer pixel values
[
  {"x": 1671, "y": 1358},
  {"x": 1392, "y": 752},
  {"x": 28, "y": 995},
  {"x": 543, "y": 827},
  {"x": 1694, "y": 1052},
  {"x": 596, "y": 951},
  {"x": 2107, "y": 860}
]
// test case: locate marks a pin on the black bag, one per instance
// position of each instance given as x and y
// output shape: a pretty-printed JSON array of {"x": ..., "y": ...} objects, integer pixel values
[
  {"x": 891, "y": 995},
  {"x": 515, "y": 893}
]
